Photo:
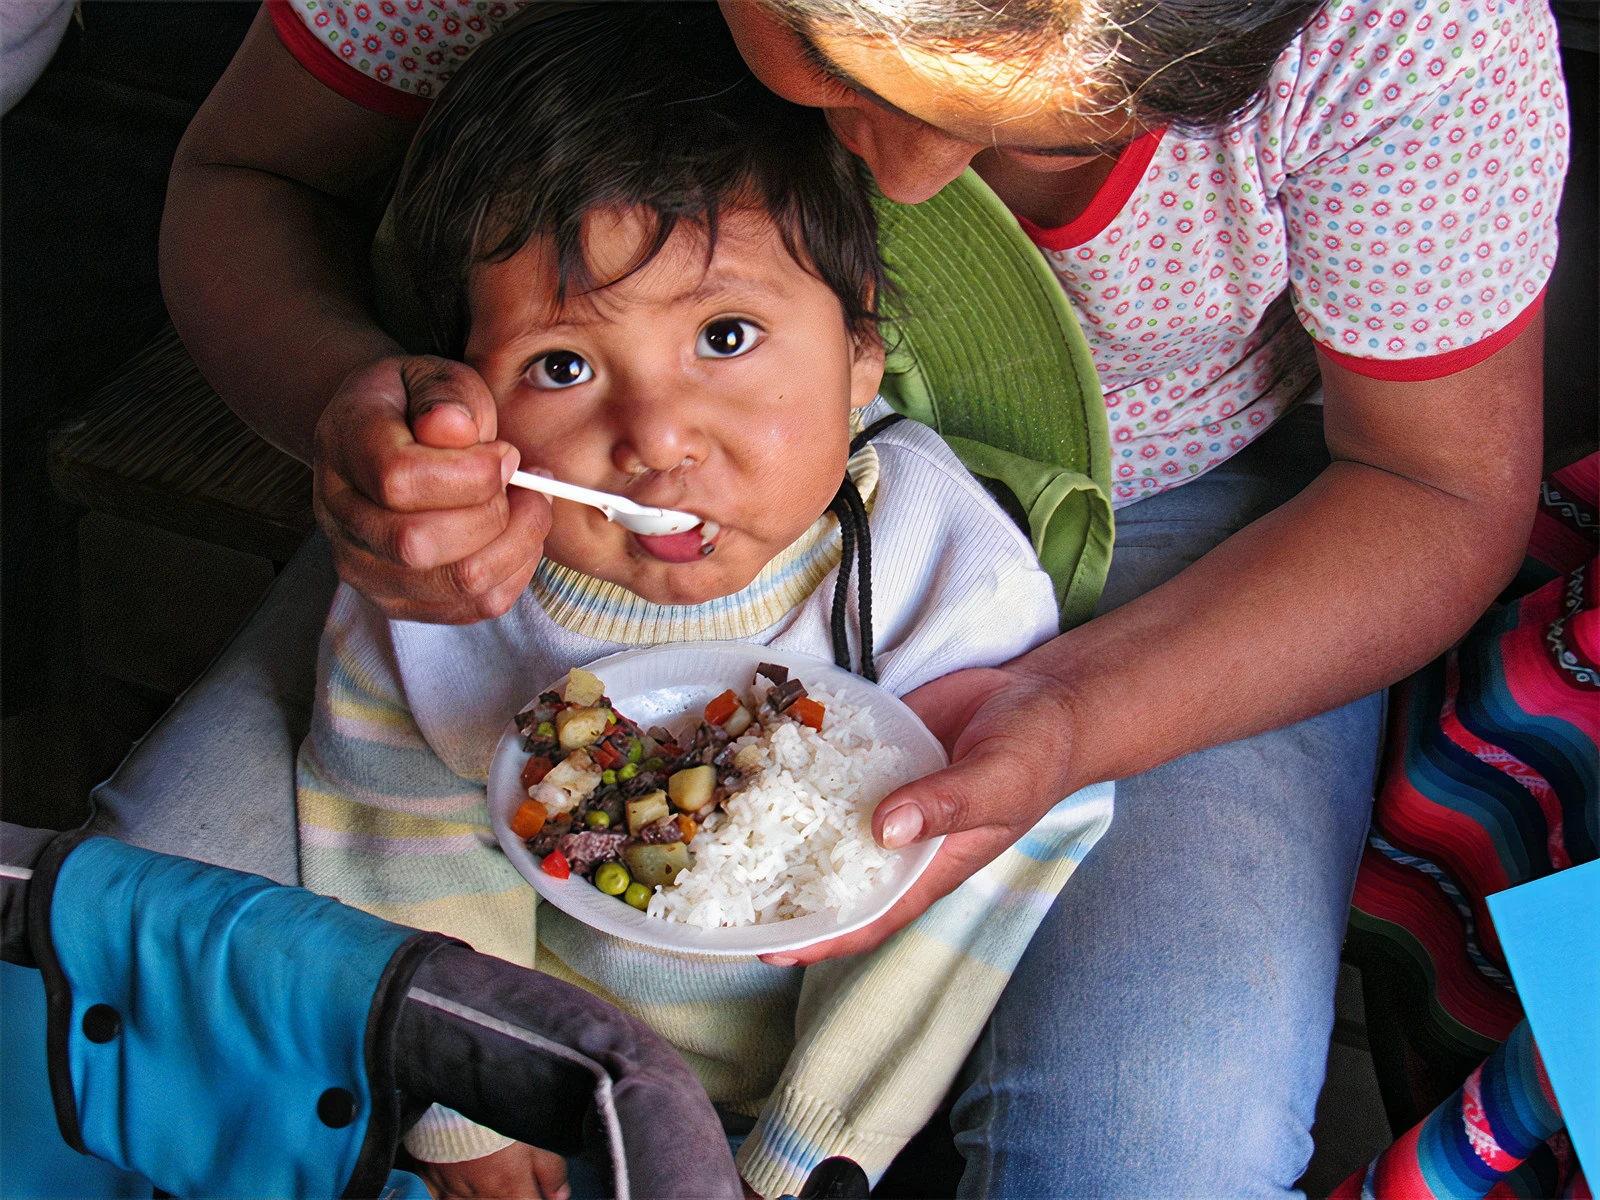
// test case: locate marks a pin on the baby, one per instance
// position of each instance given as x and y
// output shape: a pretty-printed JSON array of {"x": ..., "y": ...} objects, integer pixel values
[{"x": 669, "y": 279}]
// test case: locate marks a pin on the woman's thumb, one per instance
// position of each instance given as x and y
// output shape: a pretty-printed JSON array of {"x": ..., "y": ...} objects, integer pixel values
[
  {"x": 947, "y": 801},
  {"x": 448, "y": 406}
]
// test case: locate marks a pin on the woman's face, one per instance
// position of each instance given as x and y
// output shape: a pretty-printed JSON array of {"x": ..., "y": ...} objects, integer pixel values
[{"x": 917, "y": 117}]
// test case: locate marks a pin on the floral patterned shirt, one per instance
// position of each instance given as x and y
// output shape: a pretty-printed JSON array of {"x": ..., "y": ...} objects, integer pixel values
[{"x": 1394, "y": 199}]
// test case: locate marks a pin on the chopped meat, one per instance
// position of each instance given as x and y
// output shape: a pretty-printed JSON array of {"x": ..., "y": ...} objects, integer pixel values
[
  {"x": 781, "y": 697},
  {"x": 659, "y": 833},
  {"x": 588, "y": 849},
  {"x": 555, "y": 828},
  {"x": 778, "y": 675}
]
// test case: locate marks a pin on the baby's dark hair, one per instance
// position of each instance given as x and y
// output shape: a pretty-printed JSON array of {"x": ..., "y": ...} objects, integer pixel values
[{"x": 622, "y": 106}]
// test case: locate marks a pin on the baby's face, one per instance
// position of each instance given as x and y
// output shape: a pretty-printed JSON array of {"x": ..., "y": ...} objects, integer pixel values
[{"x": 724, "y": 391}]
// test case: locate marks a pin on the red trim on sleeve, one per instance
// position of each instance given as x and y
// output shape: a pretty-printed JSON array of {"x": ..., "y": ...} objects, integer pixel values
[
  {"x": 1114, "y": 193},
  {"x": 1437, "y": 366},
  {"x": 319, "y": 58}
]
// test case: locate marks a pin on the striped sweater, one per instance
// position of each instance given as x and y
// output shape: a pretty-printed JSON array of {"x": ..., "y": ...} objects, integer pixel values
[{"x": 847, "y": 1057}]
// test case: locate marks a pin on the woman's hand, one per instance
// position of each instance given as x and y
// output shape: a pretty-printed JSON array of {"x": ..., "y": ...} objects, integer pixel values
[
  {"x": 518, "y": 1172},
  {"x": 1008, "y": 731},
  {"x": 410, "y": 487}
]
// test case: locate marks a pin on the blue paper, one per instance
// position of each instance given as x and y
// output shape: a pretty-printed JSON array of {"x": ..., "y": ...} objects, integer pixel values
[{"x": 1550, "y": 931}]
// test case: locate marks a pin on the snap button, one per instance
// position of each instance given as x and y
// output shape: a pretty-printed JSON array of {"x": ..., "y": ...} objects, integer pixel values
[
  {"x": 336, "y": 1108},
  {"x": 101, "y": 1023}
]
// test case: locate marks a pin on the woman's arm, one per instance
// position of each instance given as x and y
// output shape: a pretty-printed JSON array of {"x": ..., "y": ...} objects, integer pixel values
[
  {"x": 1374, "y": 569},
  {"x": 274, "y": 194}
]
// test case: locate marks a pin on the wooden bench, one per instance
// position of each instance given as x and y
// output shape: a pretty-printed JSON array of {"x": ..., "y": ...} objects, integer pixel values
[{"x": 156, "y": 445}]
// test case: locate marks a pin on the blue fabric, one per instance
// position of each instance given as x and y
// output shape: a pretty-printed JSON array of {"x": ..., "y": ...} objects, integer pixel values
[
  {"x": 1166, "y": 1033},
  {"x": 241, "y": 1002},
  {"x": 35, "y": 1163}
]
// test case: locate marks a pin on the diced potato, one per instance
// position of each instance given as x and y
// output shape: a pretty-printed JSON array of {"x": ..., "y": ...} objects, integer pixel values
[
  {"x": 576, "y": 774},
  {"x": 691, "y": 789},
  {"x": 748, "y": 758},
  {"x": 578, "y": 727},
  {"x": 583, "y": 688},
  {"x": 646, "y": 810},
  {"x": 657, "y": 865},
  {"x": 738, "y": 722}
]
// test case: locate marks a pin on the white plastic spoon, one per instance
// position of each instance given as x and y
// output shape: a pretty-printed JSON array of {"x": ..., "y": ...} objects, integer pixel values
[{"x": 636, "y": 518}]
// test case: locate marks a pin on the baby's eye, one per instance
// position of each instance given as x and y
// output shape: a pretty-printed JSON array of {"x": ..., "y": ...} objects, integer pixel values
[
  {"x": 559, "y": 369},
  {"x": 727, "y": 337}
]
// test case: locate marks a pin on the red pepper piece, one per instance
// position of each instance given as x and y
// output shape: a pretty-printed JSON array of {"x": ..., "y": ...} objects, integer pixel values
[
  {"x": 555, "y": 863},
  {"x": 809, "y": 712},
  {"x": 723, "y": 707}
]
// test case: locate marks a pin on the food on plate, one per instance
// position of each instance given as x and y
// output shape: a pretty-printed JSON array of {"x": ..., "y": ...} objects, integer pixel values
[{"x": 760, "y": 812}]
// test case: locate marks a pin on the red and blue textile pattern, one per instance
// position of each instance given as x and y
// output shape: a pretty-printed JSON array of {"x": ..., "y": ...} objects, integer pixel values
[
  {"x": 1477, "y": 1142},
  {"x": 1490, "y": 781},
  {"x": 1490, "y": 777}
]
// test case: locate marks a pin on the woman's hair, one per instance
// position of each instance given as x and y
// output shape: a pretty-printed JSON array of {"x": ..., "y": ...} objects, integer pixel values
[
  {"x": 643, "y": 106},
  {"x": 1196, "y": 65}
]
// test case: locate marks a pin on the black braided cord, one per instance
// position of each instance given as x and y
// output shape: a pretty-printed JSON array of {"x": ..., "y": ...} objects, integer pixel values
[{"x": 855, "y": 538}]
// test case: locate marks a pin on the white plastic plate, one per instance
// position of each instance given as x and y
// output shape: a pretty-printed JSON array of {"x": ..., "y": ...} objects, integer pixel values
[{"x": 669, "y": 686}]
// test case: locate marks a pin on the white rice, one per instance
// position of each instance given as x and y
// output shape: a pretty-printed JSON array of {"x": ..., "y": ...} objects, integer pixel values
[{"x": 797, "y": 839}]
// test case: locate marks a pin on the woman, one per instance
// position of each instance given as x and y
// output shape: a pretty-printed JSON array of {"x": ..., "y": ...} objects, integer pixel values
[{"x": 1394, "y": 168}]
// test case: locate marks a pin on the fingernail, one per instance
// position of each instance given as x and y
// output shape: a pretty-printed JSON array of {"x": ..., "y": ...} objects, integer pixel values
[
  {"x": 428, "y": 406},
  {"x": 778, "y": 960},
  {"x": 508, "y": 465},
  {"x": 902, "y": 827}
]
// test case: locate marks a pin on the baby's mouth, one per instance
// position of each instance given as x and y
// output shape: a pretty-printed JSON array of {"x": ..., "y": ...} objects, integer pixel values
[{"x": 688, "y": 546}]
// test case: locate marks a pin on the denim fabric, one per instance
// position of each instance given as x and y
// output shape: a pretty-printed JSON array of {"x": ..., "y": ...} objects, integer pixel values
[{"x": 1167, "y": 1031}]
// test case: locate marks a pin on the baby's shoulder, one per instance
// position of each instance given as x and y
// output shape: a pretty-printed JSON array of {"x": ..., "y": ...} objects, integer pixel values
[{"x": 923, "y": 485}]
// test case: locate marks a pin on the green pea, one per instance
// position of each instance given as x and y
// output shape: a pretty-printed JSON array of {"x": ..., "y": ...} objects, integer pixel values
[
  {"x": 629, "y": 770},
  {"x": 635, "y": 750},
  {"x": 596, "y": 818},
  {"x": 637, "y": 895},
  {"x": 545, "y": 729},
  {"x": 613, "y": 879},
  {"x": 608, "y": 777},
  {"x": 653, "y": 763}
]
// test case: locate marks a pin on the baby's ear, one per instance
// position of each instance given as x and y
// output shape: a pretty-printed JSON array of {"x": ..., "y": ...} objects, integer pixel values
[{"x": 866, "y": 370}]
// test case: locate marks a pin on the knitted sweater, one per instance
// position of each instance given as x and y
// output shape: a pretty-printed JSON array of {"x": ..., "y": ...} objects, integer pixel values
[{"x": 847, "y": 1057}]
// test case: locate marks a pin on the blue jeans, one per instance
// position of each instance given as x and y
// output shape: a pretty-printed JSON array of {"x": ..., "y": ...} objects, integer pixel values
[
  {"x": 1165, "y": 1034},
  {"x": 1167, "y": 1031}
]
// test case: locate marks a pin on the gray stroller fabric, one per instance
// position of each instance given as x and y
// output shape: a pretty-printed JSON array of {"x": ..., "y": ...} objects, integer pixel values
[{"x": 527, "y": 1055}]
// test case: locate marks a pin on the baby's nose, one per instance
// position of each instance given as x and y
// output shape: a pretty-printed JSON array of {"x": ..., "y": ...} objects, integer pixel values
[{"x": 659, "y": 437}]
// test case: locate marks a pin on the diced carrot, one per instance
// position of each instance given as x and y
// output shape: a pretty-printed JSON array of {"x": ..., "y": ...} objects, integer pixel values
[
  {"x": 687, "y": 826},
  {"x": 535, "y": 769},
  {"x": 605, "y": 756},
  {"x": 809, "y": 712},
  {"x": 555, "y": 863},
  {"x": 723, "y": 707},
  {"x": 528, "y": 820}
]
